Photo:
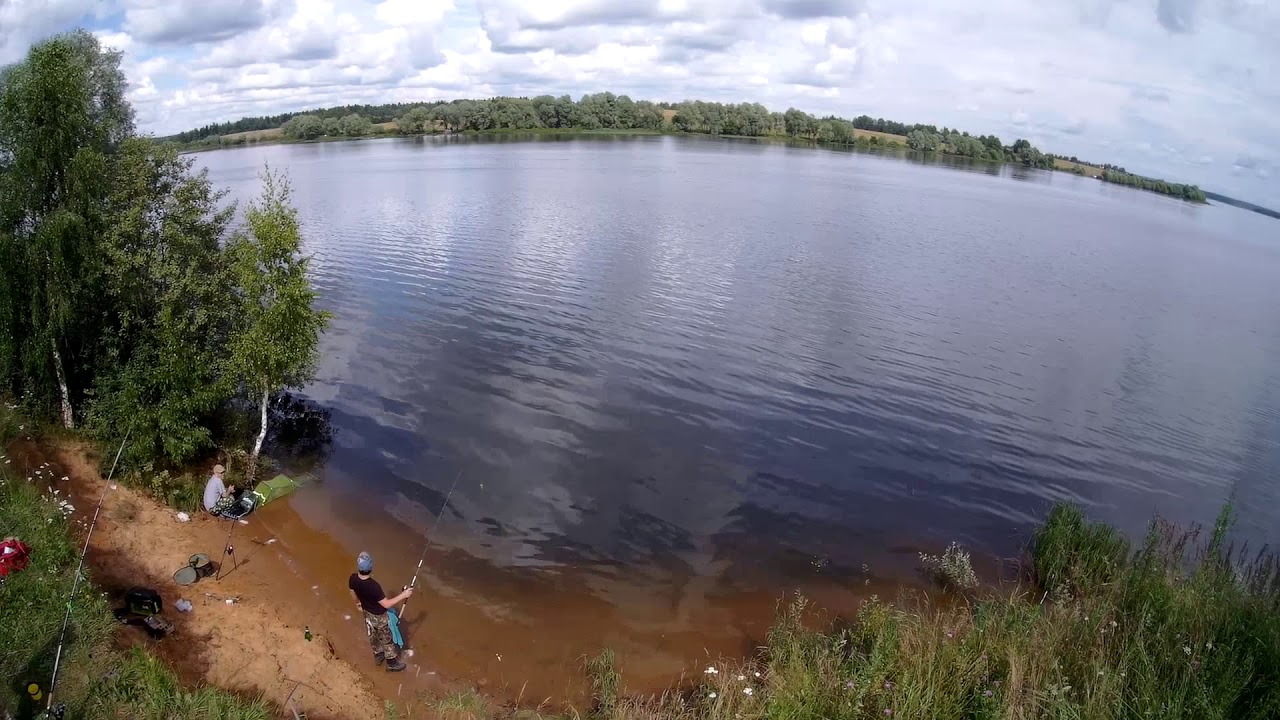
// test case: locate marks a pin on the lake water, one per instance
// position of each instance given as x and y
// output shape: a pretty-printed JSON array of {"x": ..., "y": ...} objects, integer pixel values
[{"x": 682, "y": 376}]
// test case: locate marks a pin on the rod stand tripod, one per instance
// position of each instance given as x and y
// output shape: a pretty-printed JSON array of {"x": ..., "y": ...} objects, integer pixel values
[{"x": 228, "y": 549}]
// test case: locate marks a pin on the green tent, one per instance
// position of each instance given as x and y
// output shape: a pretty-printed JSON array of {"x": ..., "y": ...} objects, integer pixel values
[{"x": 273, "y": 489}]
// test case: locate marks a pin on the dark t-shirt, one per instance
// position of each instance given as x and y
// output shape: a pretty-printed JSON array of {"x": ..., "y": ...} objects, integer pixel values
[{"x": 368, "y": 592}]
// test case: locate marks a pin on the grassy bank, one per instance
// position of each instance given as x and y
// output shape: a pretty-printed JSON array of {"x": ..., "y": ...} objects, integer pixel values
[
  {"x": 96, "y": 680},
  {"x": 1182, "y": 626}
]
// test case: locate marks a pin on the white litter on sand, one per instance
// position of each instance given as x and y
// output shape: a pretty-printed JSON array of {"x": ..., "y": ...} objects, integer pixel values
[
  {"x": 271, "y": 541},
  {"x": 244, "y": 522},
  {"x": 183, "y": 517},
  {"x": 231, "y": 601}
]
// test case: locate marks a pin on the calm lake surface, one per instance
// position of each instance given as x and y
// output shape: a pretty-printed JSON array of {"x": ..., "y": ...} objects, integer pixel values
[{"x": 683, "y": 376}]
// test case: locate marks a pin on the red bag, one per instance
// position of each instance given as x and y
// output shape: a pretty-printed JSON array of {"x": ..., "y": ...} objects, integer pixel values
[{"x": 14, "y": 556}]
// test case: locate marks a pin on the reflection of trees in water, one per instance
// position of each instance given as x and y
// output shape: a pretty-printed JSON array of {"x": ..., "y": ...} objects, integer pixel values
[
  {"x": 300, "y": 429},
  {"x": 959, "y": 162}
]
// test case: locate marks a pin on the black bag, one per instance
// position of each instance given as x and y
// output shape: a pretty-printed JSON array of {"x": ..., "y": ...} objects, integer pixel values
[{"x": 143, "y": 601}]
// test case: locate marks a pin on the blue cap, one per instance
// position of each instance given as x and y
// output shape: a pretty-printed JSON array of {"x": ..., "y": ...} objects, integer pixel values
[{"x": 364, "y": 563}]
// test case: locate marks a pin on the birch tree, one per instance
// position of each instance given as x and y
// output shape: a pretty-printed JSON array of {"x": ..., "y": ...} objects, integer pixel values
[
  {"x": 274, "y": 346},
  {"x": 62, "y": 115}
]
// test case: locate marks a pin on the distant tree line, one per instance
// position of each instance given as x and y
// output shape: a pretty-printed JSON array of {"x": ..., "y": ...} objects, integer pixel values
[
  {"x": 600, "y": 111},
  {"x": 1241, "y": 204},
  {"x": 607, "y": 111},
  {"x": 1186, "y": 192},
  {"x": 927, "y": 138},
  {"x": 310, "y": 127},
  {"x": 375, "y": 113}
]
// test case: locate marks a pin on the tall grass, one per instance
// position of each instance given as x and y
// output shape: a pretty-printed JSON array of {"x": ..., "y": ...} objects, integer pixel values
[
  {"x": 95, "y": 680},
  {"x": 606, "y": 682},
  {"x": 1181, "y": 627}
]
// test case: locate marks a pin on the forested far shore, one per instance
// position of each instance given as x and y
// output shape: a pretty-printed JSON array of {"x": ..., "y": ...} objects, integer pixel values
[{"x": 607, "y": 111}]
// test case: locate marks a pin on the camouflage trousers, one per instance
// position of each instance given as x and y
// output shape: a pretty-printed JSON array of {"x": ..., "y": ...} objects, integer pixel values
[
  {"x": 224, "y": 504},
  {"x": 380, "y": 635}
]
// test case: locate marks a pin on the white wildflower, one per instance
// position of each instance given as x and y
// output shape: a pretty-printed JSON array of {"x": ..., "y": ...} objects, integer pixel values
[
  {"x": 1208, "y": 645},
  {"x": 741, "y": 678},
  {"x": 952, "y": 568},
  {"x": 748, "y": 690},
  {"x": 1186, "y": 649},
  {"x": 757, "y": 674},
  {"x": 711, "y": 695},
  {"x": 711, "y": 670}
]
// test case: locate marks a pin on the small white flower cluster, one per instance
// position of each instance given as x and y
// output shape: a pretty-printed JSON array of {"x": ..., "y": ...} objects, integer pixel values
[
  {"x": 66, "y": 508},
  {"x": 712, "y": 670}
]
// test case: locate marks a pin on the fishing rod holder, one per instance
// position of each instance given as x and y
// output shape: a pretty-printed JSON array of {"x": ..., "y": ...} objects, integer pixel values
[{"x": 228, "y": 549}]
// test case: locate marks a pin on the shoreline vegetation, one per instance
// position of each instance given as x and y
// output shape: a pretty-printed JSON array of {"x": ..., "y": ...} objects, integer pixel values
[{"x": 607, "y": 112}]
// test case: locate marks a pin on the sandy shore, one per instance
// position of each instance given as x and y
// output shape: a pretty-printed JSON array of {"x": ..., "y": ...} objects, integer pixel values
[{"x": 257, "y": 642}]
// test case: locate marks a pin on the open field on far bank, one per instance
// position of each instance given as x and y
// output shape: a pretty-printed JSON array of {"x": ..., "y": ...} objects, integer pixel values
[
  {"x": 253, "y": 136},
  {"x": 1068, "y": 166},
  {"x": 884, "y": 136}
]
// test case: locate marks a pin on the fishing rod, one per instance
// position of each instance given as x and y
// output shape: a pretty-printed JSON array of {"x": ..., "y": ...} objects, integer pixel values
[
  {"x": 75, "y": 582},
  {"x": 431, "y": 537}
]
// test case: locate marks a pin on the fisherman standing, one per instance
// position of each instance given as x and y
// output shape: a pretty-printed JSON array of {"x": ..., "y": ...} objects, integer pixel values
[{"x": 375, "y": 605}]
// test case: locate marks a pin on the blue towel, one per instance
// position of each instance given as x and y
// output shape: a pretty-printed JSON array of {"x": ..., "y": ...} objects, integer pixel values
[{"x": 394, "y": 622}]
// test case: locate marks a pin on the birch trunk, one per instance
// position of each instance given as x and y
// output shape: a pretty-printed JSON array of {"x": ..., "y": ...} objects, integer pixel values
[
  {"x": 262, "y": 435},
  {"x": 68, "y": 418}
]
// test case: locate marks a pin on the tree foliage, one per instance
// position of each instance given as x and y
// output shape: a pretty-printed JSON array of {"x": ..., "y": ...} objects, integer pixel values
[
  {"x": 116, "y": 285},
  {"x": 310, "y": 127},
  {"x": 168, "y": 296},
  {"x": 307, "y": 127},
  {"x": 62, "y": 115},
  {"x": 1186, "y": 192},
  {"x": 278, "y": 328}
]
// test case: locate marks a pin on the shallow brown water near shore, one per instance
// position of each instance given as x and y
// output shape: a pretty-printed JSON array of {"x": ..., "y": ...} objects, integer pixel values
[{"x": 525, "y": 634}]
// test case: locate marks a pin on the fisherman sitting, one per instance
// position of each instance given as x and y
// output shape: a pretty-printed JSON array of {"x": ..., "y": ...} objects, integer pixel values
[{"x": 218, "y": 498}]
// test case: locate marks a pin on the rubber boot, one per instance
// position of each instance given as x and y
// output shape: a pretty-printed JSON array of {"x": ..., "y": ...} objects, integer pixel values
[{"x": 395, "y": 665}]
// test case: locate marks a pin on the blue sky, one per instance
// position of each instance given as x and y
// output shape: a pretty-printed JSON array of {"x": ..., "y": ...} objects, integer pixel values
[{"x": 1171, "y": 88}]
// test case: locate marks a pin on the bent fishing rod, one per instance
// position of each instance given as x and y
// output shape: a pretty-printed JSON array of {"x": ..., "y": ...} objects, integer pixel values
[
  {"x": 431, "y": 537},
  {"x": 75, "y": 582}
]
